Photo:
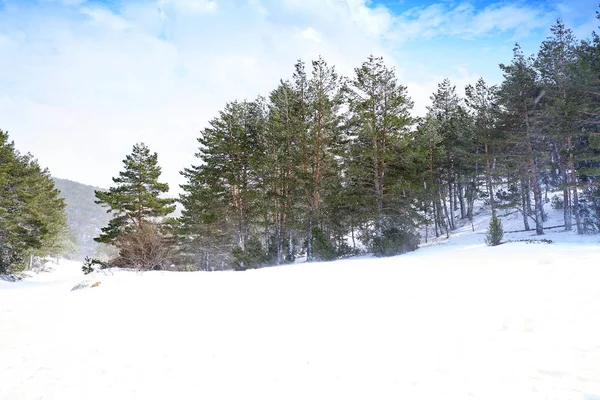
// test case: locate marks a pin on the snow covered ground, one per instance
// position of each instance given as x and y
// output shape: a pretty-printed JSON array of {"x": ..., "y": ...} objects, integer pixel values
[{"x": 454, "y": 320}]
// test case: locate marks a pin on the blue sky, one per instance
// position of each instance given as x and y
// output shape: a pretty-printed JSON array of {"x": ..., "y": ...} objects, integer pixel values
[{"x": 82, "y": 81}]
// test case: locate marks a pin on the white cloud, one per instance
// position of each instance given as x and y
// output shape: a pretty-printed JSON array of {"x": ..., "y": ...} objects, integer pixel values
[
  {"x": 191, "y": 6},
  {"x": 311, "y": 34},
  {"x": 259, "y": 6},
  {"x": 106, "y": 18},
  {"x": 463, "y": 20},
  {"x": 85, "y": 83}
]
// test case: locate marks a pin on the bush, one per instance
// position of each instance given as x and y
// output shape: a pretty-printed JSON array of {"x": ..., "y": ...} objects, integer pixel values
[
  {"x": 145, "y": 248},
  {"x": 322, "y": 248},
  {"x": 495, "y": 232},
  {"x": 557, "y": 203},
  {"x": 589, "y": 209},
  {"x": 253, "y": 257},
  {"x": 89, "y": 263},
  {"x": 395, "y": 241}
]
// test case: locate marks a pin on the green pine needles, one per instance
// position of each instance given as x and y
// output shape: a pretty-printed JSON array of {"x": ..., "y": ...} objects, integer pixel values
[
  {"x": 495, "y": 232},
  {"x": 138, "y": 228},
  {"x": 33, "y": 223}
]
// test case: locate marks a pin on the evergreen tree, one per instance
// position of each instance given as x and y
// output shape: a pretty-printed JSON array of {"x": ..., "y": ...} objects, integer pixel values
[
  {"x": 226, "y": 190},
  {"x": 556, "y": 62},
  {"x": 454, "y": 127},
  {"x": 587, "y": 148},
  {"x": 322, "y": 143},
  {"x": 495, "y": 232},
  {"x": 481, "y": 100},
  {"x": 32, "y": 218},
  {"x": 379, "y": 118},
  {"x": 282, "y": 141},
  {"x": 519, "y": 95},
  {"x": 137, "y": 228}
]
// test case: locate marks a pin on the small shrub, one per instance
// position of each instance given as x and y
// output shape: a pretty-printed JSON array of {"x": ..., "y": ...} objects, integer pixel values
[
  {"x": 323, "y": 249},
  {"x": 89, "y": 265},
  {"x": 253, "y": 257},
  {"x": 495, "y": 232},
  {"x": 395, "y": 241},
  {"x": 557, "y": 203},
  {"x": 532, "y": 241}
]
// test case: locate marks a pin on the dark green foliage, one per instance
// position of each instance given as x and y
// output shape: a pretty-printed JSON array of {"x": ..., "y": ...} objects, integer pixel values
[
  {"x": 590, "y": 210},
  {"x": 378, "y": 169},
  {"x": 253, "y": 257},
  {"x": 323, "y": 249},
  {"x": 224, "y": 198},
  {"x": 495, "y": 233},
  {"x": 90, "y": 265},
  {"x": 395, "y": 241},
  {"x": 137, "y": 228},
  {"x": 32, "y": 218},
  {"x": 345, "y": 156}
]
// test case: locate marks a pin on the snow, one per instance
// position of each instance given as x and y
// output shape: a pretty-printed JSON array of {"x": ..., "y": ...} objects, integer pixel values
[{"x": 453, "y": 320}]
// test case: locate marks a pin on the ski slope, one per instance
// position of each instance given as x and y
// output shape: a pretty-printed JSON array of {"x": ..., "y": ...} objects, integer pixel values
[{"x": 453, "y": 320}]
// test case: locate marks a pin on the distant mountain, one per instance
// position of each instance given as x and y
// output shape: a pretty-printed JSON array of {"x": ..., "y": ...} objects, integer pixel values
[{"x": 85, "y": 217}]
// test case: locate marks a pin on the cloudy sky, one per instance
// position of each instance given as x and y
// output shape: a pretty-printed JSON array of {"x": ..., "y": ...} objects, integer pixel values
[{"x": 82, "y": 81}]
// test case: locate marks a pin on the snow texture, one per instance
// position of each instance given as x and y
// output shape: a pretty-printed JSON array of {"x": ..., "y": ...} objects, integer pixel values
[{"x": 453, "y": 320}]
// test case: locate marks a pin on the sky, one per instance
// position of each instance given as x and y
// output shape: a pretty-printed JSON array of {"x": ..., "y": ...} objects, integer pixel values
[{"x": 82, "y": 81}]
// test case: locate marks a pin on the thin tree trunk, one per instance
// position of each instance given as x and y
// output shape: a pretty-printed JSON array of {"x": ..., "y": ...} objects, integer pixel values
[
  {"x": 537, "y": 194},
  {"x": 574, "y": 187},
  {"x": 447, "y": 220},
  {"x": 488, "y": 177},
  {"x": 450, "y": 200},
  {"x": 566, "y": 199},
  {"x": 291, "y": 246},
  {"x": 461, "y": 200},
  {"x": 524, "y": 191},
  {"x": 435, "y": 219}
]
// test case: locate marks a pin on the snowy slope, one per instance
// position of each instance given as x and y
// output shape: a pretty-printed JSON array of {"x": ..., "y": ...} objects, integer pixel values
[{"x": 454, "y": 320}]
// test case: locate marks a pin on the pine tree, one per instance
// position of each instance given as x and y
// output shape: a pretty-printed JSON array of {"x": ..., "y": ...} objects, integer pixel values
[
  {"x": 495, "y": 232},
  {"x": 587, "y": 148},
  {"x": 32, "y": 218},
  {"x": 226, "y": 190},
  {"x": 480, "y": 99},
  {"x": 282, "y": 144},
  {"x": 453, "y": 121},
  {"x": 555, "y": 62},
  {"x": 137, "y": 227},
  {"x": 379, "y": 118},
  {"x": 519, "y": 96},
  {"x": 322, "y": 142}
]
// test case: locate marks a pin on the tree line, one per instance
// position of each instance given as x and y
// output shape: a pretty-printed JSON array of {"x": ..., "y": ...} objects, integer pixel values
[{"x": 329, "y": 166}]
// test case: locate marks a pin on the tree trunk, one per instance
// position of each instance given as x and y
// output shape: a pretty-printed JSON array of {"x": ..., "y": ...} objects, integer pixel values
[
  {"x": 291, "y": 246},
  {"x": 447, "y": 220},
  {"x": 488, "y": 177},
  {"x": 566, "y": 199},
  {"x": 451, "y": 201},
  {"x": 537, "y": 194},
  {"x": 461, "y": 200},
  {"x": 525, "y": 211},
  {"x": 574, "y": 187},
  {"x": 435, "y": 219}
]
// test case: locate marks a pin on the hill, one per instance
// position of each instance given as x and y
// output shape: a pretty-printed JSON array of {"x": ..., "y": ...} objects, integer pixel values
[{"x": 85, "y": 217}]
